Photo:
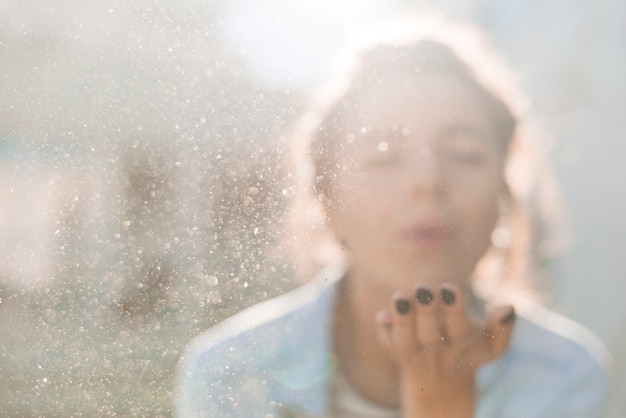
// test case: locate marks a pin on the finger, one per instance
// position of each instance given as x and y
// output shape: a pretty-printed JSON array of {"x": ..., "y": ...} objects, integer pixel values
[
  {"x": 383, "y": 328},
  {"x": 501, "y": 324},
  {"x": 455, "y": 321},
  {"x": 427, "y": 329},
  {"x": 402, "y": 335}
]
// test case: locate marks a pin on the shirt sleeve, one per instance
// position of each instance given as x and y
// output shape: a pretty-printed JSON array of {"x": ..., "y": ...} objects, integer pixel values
[
  {"x": 585, "y": 395},
  {"x": 222, "y": 381},
  {"x": 545, "y": 374}
]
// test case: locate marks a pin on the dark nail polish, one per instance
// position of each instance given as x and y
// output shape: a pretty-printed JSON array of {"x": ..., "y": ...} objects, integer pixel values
[
  {"x": 508, "y": 318},
  {"x": 403, "y": 306},
  {"x": 448, "y": 296},
  {"x": 424, "y": 296}
]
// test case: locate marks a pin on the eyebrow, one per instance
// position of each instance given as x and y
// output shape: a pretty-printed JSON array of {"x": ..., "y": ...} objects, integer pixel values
[
  {"x": 461, "y": 128},
  {"x": 385, "y": 134},
  {"x": 398, "y": 133}
]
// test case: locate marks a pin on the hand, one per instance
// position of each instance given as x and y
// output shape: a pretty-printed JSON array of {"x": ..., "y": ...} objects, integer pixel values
[{"x": 437, "y": 348}]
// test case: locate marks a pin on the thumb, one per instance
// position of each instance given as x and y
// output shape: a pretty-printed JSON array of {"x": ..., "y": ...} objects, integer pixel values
[
  {"x": 501, "y": 323},
  {"x": 383, "y": 329}
]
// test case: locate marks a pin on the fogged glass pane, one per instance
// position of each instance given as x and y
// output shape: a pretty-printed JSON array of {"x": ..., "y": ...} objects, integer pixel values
[{"x": 144, "y": 185}]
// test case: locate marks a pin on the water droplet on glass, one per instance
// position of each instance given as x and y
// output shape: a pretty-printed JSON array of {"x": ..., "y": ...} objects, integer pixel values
[{"x": 212, "y": 281}]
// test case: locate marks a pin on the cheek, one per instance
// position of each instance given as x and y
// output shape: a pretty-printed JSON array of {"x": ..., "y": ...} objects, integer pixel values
[
  {"x": 478, "y": 208},
  {"x": 356, "y": 209},
  {"x": 362, "y": 214}
]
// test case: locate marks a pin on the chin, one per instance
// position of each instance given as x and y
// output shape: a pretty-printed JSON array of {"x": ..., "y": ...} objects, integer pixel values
[{"x": 430, "y": 275}]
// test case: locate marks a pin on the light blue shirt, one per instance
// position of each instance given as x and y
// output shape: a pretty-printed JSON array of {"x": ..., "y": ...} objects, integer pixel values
[{"x": 274, "y": 360}]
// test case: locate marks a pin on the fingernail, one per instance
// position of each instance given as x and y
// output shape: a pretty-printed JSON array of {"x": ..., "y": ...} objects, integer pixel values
[
  {"x": 448, "y": 296},
  {"x": 383, "y": 318},
  {"x": 508, "y": 318},
  {"x": 424, "y": 296},
  {"x": 403, "y": 306}
]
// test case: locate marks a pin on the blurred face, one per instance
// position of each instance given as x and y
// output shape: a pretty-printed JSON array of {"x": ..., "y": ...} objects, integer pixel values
[{"x": 419, "y": 181}]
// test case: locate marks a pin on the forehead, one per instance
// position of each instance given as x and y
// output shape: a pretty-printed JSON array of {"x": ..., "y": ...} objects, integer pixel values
[{"x": 420, "y": 104}]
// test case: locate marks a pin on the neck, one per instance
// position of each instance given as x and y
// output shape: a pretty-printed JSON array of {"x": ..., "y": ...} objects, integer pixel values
[{"x": 362, "y": 357}]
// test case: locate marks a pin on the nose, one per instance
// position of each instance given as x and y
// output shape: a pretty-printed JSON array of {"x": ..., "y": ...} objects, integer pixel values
[{"x": 425, "y": 173}]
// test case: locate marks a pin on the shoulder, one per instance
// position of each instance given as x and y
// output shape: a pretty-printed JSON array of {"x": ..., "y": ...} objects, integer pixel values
[
  {"x": 544, "y": 334},
  {"x": 235, "y": 365},
  {"x": 554, "y": 367},
  {"x": 262, "y": 322}
]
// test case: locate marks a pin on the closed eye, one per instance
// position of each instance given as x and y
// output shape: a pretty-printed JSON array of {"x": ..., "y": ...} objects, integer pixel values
[
  {"x": 465, "y": 145},
  {"x": 381, "y": 160},
  {"x": 466, "y": 156}
]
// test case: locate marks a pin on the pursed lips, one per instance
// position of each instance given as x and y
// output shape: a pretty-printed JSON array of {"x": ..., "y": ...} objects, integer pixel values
[{"x": 427, "y": 234}]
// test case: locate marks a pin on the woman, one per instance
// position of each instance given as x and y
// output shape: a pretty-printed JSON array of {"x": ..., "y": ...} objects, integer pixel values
[{"x": 413, "y": 164}]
